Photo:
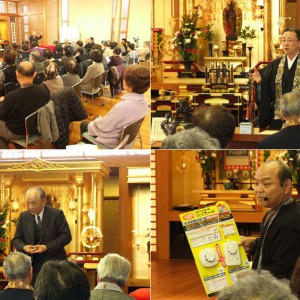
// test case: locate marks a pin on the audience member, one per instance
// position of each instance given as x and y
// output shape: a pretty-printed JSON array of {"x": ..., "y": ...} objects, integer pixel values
[
  {"x": 217, "y": 121},
  {"x": 289, "y": 136},
  {"x": 259, "y": 286},
  {"x": 48, "y": 56},
  {"x": 295, "y": 280},
  {"x": 8, "y": 73},
  {"x": 17, "y": 270},
  {"x": 144, "y": 51},
  {"x": 53, "y": 81},
  {"x": 96, "y": 68},
  {"x": 35, "y": 38},
  {"x": 72, "y": 76},
  {"x": 17, "y": 105},
  {"x": 107, "y": 52},
  {"x": 115, "y": 59},
  {"x": 34, "y": 46},
  {"x": 88, "y": 45},
  {"x": 25, "y": 52},
  {"x": 80, "y": 55},
  {"x": 278, "y": 246},
  {"x": 58, "y": 51},
  {"x": 62, "y": 280},
  {"x": 123, "y": 46},
  {"x": 133, "y": 107},
  {"x": 113, "y": 272},
  {"x": 131, "y": 57},
  {"x": 194, "y": 138},
  {"x": 68, "y": 55},
  {"x": 34, "y": 57},
  {"x": 42, "y": 231}
]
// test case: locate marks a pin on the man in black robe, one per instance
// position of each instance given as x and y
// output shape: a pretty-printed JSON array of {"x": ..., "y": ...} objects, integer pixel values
[
  {"x": 35, "y": 38},
  {"x": 280, "y": 76}
]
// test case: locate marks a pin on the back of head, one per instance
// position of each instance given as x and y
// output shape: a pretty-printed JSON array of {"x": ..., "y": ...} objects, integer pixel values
[
  {"x": 72, "y": 67},
  {"x": 96, "y": 56},
  {"x": 217, "y": 121},
  {"x": 17, "y": 266},
  {"x": 138, "y": 78},
  {"x": 26, "y": 69},
  {"x": 33, "y": 44},
  {"x": 62, "y": 280},
  {"x": 257, "y": 285},
  {"x": 35, "y": 55},
  {"x": 97, "y": 47},
  {"x": 79, "y": 43},
  {"x": 47, "y": 54},
  {"x": 131, "y": 46},
  {"x": 59, "y": 48},
  {"x": 9, "y": 56},
  {"x": 117, "y": 50},
  {"x": 194, "y": 138},
  {"x": 114, "y": 268},
  {"x": 68, "y": 50},
  {"x": 51, "y": 70},
  {"x": 290, "y": 105}
]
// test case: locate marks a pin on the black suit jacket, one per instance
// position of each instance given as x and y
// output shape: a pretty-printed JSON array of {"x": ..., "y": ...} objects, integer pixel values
[{"x": 55, "y": 234}]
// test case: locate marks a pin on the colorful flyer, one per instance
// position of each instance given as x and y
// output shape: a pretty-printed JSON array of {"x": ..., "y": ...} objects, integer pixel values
[{"x": 214, "y": 240}]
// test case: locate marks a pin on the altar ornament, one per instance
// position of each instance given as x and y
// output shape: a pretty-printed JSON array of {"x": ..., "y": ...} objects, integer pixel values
[{"x": 15, "y": 205}]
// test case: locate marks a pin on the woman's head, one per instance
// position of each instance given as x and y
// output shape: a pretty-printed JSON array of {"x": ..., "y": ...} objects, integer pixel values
[
  {"x": 137, "y": 78},
  {"x": 290, "y": 105},
  {"x": 72, "y": 67},
  {"x": 96, "y": 56},
  {"x": 68, "y": 50},
  {"x": 51, "y": 70}
]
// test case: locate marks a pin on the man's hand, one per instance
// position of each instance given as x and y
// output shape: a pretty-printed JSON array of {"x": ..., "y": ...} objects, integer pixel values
[
  {"x": 247, "y": 242},
  {"x": 39, "y": 249},
  {"x": 255, "y": 76},
  {"x": 29, "y": 249}
]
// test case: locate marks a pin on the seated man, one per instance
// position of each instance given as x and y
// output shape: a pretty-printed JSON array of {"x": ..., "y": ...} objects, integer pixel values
[
  {"x": 17, "y": 105},
  {"x": 18, "y": 271},
  {"x": 133, "y": 107},
  {"x": 113, "y": 272}
]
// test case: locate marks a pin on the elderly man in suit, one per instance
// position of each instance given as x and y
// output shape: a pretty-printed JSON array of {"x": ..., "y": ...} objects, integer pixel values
[{"x": 42, "y": 231}]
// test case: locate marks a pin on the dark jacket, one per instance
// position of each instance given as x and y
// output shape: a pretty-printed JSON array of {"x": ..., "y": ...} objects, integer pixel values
[
  {"x": 281, "y": 246},
  {"x": 68, "y": 108},
  {"x": 12, "y": 294}
]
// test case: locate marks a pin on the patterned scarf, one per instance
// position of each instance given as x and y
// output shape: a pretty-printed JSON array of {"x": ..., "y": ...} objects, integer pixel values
[
  {"x": 278, "y": 83},
  {"x": 19, "y": 284}
]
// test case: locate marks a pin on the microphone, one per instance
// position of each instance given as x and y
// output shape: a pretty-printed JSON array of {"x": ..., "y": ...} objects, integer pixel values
[{"x": 266, "y": 198}]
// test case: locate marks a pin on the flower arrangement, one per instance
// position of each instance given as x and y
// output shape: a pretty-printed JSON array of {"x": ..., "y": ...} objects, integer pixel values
[
  {"x": 207, "y": 33},
  {"x": 185, "y": 40},
  {"x": 3, "y": 226},
  {"x": 206, "y": 159},
  {"x": 247, "y": 33}
]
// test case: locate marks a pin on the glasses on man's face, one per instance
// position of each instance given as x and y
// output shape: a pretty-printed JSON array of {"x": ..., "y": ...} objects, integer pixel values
[{"x": 288, "y": 41}]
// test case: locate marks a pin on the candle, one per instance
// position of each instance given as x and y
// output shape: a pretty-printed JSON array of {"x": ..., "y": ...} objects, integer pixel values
[
  {"x": 250, "y": 155},
  {"x": 250, "y": 44}
]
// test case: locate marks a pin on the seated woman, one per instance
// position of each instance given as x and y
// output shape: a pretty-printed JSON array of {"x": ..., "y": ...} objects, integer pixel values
[
  {"x": 289, "y": 136},
  {"x": 53, "y": 81},
  {"x": 96, "y": 68},
  {"x": 142, "y": 53},
  {"x": 72, "y": 76},
  {"x": 133, "y": 107}
]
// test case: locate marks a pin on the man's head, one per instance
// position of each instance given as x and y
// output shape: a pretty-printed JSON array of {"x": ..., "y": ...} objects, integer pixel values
[
  {"x": 217, "y": 121},
  {"x": 114, "y": 268},
  {"x": 61, "y": 280},
  {"x": 9, "y": 56},
  {"x": 273, "y": 183},
  {"x": 137, "y": 79},
  {"x": 34, "y": 56},
  {"x": 35, "y": 200},
  {"x": 290, "y": 106},
  {"x": 117, "y": 51},
  {"x": 25, "y": 72},
  {"x": 290, "y": 41},
  {"x": 17, "y": 266}
]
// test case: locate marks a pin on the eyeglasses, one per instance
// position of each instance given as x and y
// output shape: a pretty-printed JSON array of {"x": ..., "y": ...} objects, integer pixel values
[{"x": 288, "y": 41}]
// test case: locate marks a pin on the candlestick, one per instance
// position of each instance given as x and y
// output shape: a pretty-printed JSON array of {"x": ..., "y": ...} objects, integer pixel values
[{"x": 250, "y": 49}]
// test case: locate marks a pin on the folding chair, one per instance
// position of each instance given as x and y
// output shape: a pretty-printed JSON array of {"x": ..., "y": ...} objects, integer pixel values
[
  {"x": 32, "y": 133},
  {"x": 78, "y": 87},
  {"x": 96, "y": 87},
  {"x": 11, "y": 86},
  {"x": 128, "y": 136}
]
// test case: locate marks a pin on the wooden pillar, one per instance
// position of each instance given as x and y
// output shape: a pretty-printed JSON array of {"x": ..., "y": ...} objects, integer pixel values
[
  {"x": 99, "y": 180},
  {"x": 267, "y": 28}
]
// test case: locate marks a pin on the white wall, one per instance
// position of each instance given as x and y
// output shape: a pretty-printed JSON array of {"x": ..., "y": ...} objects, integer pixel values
[{"x": 52, "y": 21}]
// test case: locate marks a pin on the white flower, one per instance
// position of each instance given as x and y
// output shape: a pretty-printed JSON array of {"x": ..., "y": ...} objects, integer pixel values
[
  {"x": 195, "y": 37},
  {"x": 187, "y": 41}
]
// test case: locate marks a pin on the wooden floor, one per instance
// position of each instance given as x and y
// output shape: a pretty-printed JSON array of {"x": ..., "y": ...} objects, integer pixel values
[{"x": 176, "y": 279}]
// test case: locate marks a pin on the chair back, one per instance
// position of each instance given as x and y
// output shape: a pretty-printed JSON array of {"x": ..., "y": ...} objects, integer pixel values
[
  {"x": 132, "y": 130},
  {"x": 39, "y": 79},
  {"x": 97, "y": 81},
  {"x": 11, "y": 86},
  {"x": 31, "y": 125},
  {"x": 78, "y": 87}
]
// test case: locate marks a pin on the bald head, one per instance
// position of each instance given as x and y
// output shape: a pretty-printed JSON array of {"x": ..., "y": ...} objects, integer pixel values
[{"x": 26, "y": 69}]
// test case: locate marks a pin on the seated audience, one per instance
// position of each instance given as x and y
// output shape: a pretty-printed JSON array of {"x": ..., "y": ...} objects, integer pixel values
[
  {"x": 62, "y": 280},
  {"x": 8, "y": 72},
  {"x": 34, "y": 57},
  {"x": 48, "y": 56},
  {"x": 113, "y": 272},
  {"x": 295, "y": 279},
  {"x": 131, "y": 57},
  {"x": 123, "y": 46},
  {"x": 68, "y": 55},
  {"x": 88, "y": 45},
  {"x": 133, "y": 107},
  {"x": 58, "y": 51},
  {"x": 80, "y": 55},
  {"x": 115, "y": 59},
  {"x": 53, "y": 81},
  {"x": 34, "y": 46},
  {"x": 289, "y": 136},
  {"x": 144, "y": 51},
  {"x": 107, "y": 52},
  {"x": 217, "y": 121},
  {"x": 17, "y": 270},
  {"x": 96, "y": 68},
  {"x": 194, "y": 138},
  {"x": 257, "y": 285},
  {"x": 25, "y": 52},
  {"x": 72, "y": 76},
  {"x": 17, "y": 105}
]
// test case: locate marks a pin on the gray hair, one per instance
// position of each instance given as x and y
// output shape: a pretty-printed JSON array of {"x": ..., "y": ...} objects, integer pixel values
[
  {"x": 194, "y": 138},
  {"x": 290, "y": 104},
  {"x": 38, "y": 190},
  {"x": 17, "y": 265},
  {"x": 114, "y": 268},
  {"x": 258, "y": 285}
]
